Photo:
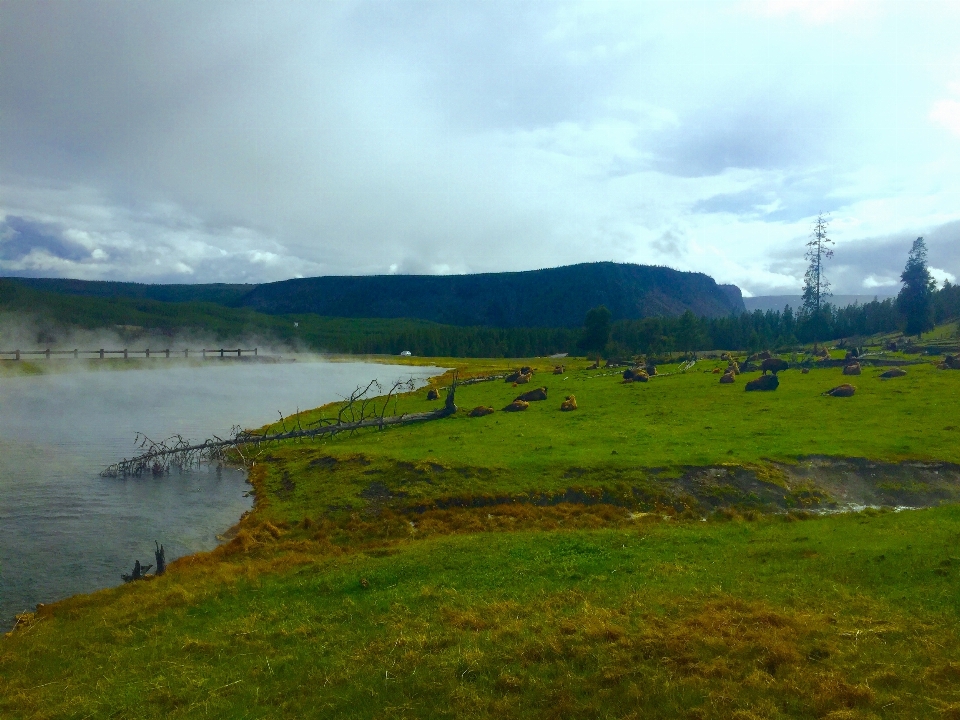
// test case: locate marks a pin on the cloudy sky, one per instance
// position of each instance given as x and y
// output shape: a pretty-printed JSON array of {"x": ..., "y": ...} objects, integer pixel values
[{"x": 255, "y": 141}]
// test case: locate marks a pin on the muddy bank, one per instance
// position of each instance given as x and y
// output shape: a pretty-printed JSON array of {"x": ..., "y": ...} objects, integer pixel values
[{"x": 815, "y": 483}]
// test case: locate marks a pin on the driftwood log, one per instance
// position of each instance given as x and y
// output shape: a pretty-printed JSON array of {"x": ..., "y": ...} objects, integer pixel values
[{"x": 358, "y": 413}]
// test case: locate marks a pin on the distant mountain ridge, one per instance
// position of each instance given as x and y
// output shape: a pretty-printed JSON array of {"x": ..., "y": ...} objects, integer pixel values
[
  {"x": 553, "y": 297},
  {"x": 778, "y": 302}
]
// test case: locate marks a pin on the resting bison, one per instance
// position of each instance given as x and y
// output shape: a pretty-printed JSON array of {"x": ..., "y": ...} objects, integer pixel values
[
  {"x": 558, "y": 370},
  {"x": 432, "y": 394},
  {"x": 531, "y": 396},
  {"x": 635, "y": 375},
  {"x": 727, "y": 378},
  {"x": 852, "y": 369},
  {"x": 516, "y": 406},
  {"x": 774, "y": 365},
  {"x": 952, "y": 362},
  {"x": 570, "y": 403},
  {"x": 480, "y": 411},
  {"x": 841, "y": 391},
  {"x": 764, "y": 382},
  {"x": 893, "y": 373}
]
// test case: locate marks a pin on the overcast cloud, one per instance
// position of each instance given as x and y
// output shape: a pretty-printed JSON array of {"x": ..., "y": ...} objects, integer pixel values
[{"x": 247, "y": 142}]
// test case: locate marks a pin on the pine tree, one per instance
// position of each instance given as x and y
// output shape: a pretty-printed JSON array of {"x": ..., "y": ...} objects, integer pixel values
[
  {"x": 816, "y": 288},
  {"x": 915, "y": 300}
]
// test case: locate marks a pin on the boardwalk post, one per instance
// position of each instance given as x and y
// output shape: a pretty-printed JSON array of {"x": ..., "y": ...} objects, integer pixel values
[
  {"x": 238, "y": 352},
  {"x": 221, "y": 352},
  {"x": 255, "y": 352},
  {"x": 101, "y": 353},
  {"x": 204, "y": 353},
  {"x": 168, "y": 352},
  {"x": 17, "y": 355},
  {"x": 47, "y": 353},
  {"x": 124, "y": 353},
  {"x": 185, "y": 352},
  {"x": 76, "y": 354},
  {"x": 147, "y": 351}
]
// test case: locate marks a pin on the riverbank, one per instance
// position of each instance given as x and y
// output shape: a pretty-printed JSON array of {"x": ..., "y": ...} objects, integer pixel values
[
  {"x": 654, "y": 552},
  {"x": 64, "y": 529}
]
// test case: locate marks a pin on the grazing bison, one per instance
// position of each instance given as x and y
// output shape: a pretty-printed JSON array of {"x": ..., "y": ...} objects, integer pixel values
[
  {"x": 432, "y": 394},
  {"x": 774, "y": 365},
  {"x": 727, "y": 378},
  {"x": 569, "y": 403},
  {"x": 516, "y": 406},
  {"x": 893, "y": 373},
  {"x": 841, "y": 391},
  {"x": 480, "y": 411},
  {"x": 764, "y": 382},
  {"x": 852, "y": 369},
  {"x": 533, "y": 395}
]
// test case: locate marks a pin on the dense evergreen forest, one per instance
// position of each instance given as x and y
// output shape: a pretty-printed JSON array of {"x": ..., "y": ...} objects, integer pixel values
[{"x": 53, "y": 315}]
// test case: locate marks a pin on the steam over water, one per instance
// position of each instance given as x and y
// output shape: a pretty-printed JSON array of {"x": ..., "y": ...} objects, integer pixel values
[{"x": 65, "y": 530}]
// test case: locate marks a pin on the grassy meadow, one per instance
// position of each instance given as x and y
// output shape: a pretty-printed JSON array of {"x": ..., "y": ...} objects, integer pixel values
[{"x": 651, "y": 554}]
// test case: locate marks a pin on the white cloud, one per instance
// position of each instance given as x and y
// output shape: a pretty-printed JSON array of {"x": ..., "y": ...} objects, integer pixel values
[
  {"x": 372, "y": 136},
  {"x": 947, "y": 114}
]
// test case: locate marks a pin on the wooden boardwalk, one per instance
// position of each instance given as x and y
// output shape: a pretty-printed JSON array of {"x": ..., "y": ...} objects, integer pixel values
[{"x": 126, "y": 353}]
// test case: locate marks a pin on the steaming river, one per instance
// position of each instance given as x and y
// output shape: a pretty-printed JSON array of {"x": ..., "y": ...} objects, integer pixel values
[{"x": 66, "y": 530}]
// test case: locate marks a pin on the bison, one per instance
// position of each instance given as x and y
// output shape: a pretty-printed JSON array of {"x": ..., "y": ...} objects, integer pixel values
[
  {"x": 764, "y": 382},
  {"x": 852, "y": 369},
  {"x": 516, "y": 406},
  {"x": 432, "y": 394},
  {"x": 774, "y": 365},
  {"x": 533, "y": 395},
  {"x": 480, "y": 411},
  {"x": 727, "y": 378},
  {"x": 841, "y": 391},
  {"x": 893, "y": 373},
  {"x": 569, "y": 403}
]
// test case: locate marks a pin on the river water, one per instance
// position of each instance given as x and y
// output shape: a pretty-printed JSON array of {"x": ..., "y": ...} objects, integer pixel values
[{"x": 66, "y": 530}]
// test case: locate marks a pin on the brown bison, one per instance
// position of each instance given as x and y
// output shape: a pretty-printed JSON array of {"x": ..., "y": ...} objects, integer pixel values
[
  {"x": 533, "y": 395},
  {"x": 524, "y": 379},
  {"x": 774, "y": 365},
  {"x": 852, "y": 369},
  {"x": 764, "y": 382},
  {"x": 805, "y": 371},
  {"x": 558, "y": 370},
  {"x": 480, "y": 411},
  {"x": 516, "y": 406},
  {"x": 432, "y": 394},
  {"x": 952, "y": 362},
  {"x": 569, "y": 403},
  {"x": 893, "y": 373},
  {"x": 727, "y": 378},
  {"x": 841, "y": 391}
]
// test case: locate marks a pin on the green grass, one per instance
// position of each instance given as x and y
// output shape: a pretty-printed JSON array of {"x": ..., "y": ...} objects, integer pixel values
[
  {"x": 846, "y": 614},
  {"x": 619, "y": 435},
  {"x": 427, "y": 571}
]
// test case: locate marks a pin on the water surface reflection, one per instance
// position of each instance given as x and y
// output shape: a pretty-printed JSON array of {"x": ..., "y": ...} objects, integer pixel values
[{"x": 64, "y": 529}]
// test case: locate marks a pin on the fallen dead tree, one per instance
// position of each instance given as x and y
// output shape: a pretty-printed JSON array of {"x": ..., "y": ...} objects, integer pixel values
[{"x": 362, "y": 410}]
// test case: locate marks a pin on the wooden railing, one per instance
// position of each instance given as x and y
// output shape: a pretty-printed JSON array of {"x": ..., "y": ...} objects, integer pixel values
[{"x": 102, "y": 354}]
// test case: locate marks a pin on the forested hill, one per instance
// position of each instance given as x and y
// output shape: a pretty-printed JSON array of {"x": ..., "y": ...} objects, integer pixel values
[
  {"x": 556, "y": 297},
  {"x": 219, "y": 293}
]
